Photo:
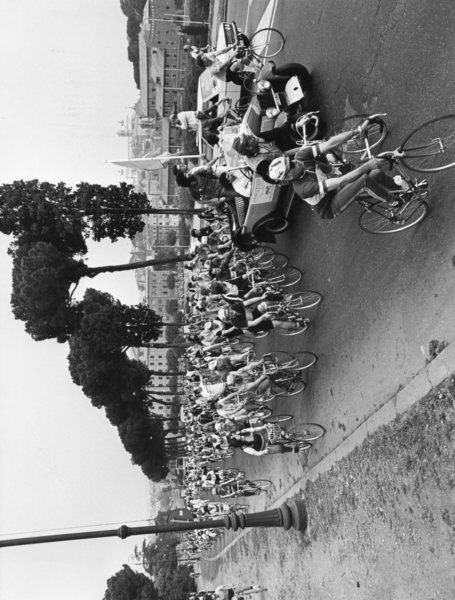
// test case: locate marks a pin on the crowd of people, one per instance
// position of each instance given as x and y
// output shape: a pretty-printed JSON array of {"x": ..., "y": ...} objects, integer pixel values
[
  {"x": 231, "y": 294},
  {"x": 312, "y": 169}
]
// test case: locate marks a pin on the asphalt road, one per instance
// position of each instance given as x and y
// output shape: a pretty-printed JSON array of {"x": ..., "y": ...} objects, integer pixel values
[{"x": 385, "y": 298}]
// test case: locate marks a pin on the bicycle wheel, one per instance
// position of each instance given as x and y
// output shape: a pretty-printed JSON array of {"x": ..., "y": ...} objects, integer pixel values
[
  {"x": 243, "y": 347},
  {"x": 256, "y": 336},
  {"x": 306, "y": 432},
  {"x": 304, "y": 445},
  {"x": 355, "y": 148},
  {"x": 260, "y": 252},
  {"x": 383, "y": 219},
  {"x": 430, "y": 147},
  {"x": 267, "y": 42},
  {"x": 287, "y": 385},
  {"x": 303, "y": 300},
  {"x": 278, "y": 358},
  {"x": 262, "y": 484},
  {"x": 303, "y": 360},
  {"x": 261, "y": 413},
  {"x": 279, "y": 261},
  {"x": 279, "y": 418},
  {"x": 286, "y": 277},
  {"x": 288, "y": 332}
]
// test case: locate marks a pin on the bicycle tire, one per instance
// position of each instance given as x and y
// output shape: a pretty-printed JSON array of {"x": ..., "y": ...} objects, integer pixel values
[
  {"x": 278, "y": 358},
  {"x": 286, "y": 332},
  {"x": 261, "y": 412},
  {"x": 294, "y": 385},
  {"x": 243, "y": 346},
  {"x": 379, "y": 221},
  {"x": 279, "y": 261},
  {"x": 256, "y": 336},
  {"x": 306, "y": 432},
  {"x": 267, "y": 396},
  {"x": 304, "y": 360},
  {"x": 284, "y": 418},
  {"x": 414, "y": 158},
  {"x": 266, "y": 43},
  {"x": 304, "y": 445},
  {"x": 286, "y": 277},
  {"x": 303, "y": 300},
  {"x": 262, "y": 484},
  {"x": 355, "y": 148},
  {"x": 261, "y": 251}
]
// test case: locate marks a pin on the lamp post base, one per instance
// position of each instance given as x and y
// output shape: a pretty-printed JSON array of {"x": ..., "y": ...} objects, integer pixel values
[{"x": 293, "y": 514}]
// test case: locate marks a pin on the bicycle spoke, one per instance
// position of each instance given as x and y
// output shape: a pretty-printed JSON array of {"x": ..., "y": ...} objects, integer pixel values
[
  {"x": 303, "y": 300},
  {"x": 266, "y": 43},
  {"x": 382, "y": 219},
  {"x": 431, "y": 147},
  {"x": 355, "y": 148}
]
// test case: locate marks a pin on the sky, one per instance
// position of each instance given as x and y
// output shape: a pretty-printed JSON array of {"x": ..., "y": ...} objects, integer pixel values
[{"x": 65, "y": 84}]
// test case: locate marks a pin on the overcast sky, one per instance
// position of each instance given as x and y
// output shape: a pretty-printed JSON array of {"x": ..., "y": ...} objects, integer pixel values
[{"x": 65, "y": 85}]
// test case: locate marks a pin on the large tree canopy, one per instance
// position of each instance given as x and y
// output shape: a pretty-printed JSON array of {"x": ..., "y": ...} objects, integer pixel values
[
  {"x": 42, "y": 211},
  {"x": 38, "y": 211},
  {"x": 107, "y": 323},
  {"x": 127, "y": 584},
  {"x": 42, "y": 277}
]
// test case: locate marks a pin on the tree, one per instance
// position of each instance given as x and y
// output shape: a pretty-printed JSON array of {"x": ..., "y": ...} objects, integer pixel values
[
  {"x": 171, "y": 237},
  {"x": 114, "y": 326},
  {"x": 172, "y": 306},
  {"x": 127, "y": 584},
  {"x": 55, "y": 213},
  {"x": 42, "y": 276},
  {"x": 35, "y": 211},
  {"x": 170, "y": 281}
]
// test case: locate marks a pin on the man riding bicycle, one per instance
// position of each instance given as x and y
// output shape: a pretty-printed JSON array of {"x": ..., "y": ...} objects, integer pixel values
[{"x": 321, "y": 184}]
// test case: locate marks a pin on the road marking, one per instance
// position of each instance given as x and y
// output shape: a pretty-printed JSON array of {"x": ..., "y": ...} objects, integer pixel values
[{"x": 267, "y": 18}]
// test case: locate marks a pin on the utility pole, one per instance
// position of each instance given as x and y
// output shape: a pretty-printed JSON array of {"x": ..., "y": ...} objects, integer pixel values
[{"x": 289, "y": 515}]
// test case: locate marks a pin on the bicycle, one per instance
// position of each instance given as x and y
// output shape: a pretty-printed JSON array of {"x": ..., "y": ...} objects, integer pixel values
[
  {"x": 263, "y": 43},
  {"x": 244, "y": 488},
  {"x": 281, "y": 383},
  {"x": 300, "y": 436},
  {"x": 429, "y": 148},
  {"x": 296, "y": 361}
]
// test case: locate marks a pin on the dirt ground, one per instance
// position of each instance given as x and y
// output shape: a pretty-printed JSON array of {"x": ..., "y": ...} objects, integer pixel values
[{"x": 382, "y": 521}]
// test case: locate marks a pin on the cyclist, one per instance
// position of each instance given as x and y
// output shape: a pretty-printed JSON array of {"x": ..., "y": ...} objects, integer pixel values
[
  {"x": 255, "y": 441},
  {"x": 319, "y": 183}
]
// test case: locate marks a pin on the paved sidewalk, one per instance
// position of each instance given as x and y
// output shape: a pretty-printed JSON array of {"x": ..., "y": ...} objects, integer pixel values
[{"x": 423, "y": 382}]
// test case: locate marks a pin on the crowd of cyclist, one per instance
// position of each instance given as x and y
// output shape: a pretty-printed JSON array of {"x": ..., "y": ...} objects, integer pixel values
[{"x": 232, "y": 298}]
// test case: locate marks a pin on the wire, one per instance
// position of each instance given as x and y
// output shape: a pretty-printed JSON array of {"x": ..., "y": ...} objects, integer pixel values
[{"x": 148, "y": 520}]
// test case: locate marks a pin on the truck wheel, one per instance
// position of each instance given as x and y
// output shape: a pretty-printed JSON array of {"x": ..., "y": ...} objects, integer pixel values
[
  {"x": 290, "y": 69},
  {"x": 276, "y": 224}
]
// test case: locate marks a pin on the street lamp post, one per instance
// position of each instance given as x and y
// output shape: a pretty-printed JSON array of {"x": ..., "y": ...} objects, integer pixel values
[{"x": 292, "y": 514}]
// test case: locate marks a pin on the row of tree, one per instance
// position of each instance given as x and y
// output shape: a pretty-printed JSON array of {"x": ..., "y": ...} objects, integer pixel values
[{"x": 50, "y": 224}]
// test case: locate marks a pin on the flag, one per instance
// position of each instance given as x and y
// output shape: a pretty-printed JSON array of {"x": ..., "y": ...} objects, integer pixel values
[{"x": 151, "y": 163}]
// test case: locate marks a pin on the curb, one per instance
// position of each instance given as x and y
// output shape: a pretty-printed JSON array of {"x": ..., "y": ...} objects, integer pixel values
[{"x": 429, "y": 377}]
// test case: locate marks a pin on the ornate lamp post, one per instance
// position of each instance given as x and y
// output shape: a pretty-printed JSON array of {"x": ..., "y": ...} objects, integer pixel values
[{"x": 292, "y": 514}]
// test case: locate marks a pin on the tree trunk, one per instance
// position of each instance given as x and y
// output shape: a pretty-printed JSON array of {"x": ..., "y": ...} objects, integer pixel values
[
  {"x": 167, "y": 373},
  {"x": 142, "y": 211},
  {"x": 94, "y": 271},
  {"x": 167, "y": 345}
]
